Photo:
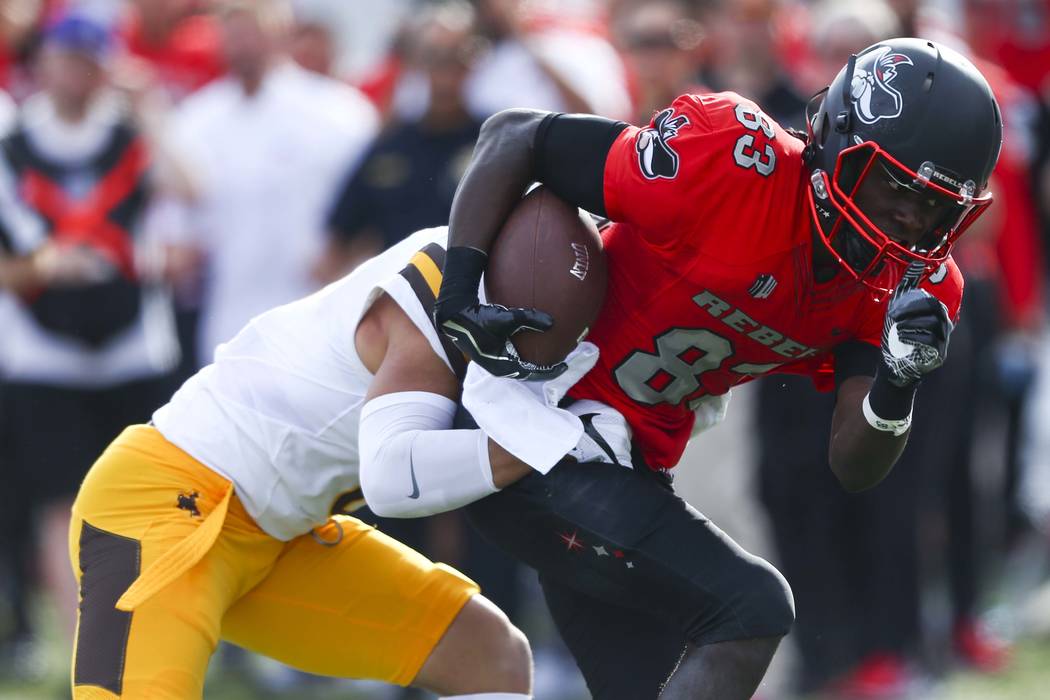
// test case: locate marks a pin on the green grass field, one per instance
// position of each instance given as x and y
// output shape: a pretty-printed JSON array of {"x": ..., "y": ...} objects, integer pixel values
[{"x": 1028, "y": 678}]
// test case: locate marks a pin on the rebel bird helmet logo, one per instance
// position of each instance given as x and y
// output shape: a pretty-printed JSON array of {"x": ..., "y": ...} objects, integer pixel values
[
  {"x": 874, "y": 97},
  {"x": 656, "y": 158}
]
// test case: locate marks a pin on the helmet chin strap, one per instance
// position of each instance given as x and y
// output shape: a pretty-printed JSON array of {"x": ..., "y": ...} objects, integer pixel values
[
  {"x": 847, "y": 243},
  {"x": 854, "y": 250},
  {"x": 825, "y": 266}
]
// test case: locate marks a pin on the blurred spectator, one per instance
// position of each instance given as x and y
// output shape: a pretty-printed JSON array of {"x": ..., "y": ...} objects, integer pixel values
[
  {"x": 543, "y": 58},
  {"x": 1008, "y": 259},
  {"x": 660, "y": 42},
  {"x": 381, "y": 83},
  {"x": 8, "y": 110},
  {"x": 14, "y": 622},
  {"x": 839, "y": 28},
  {"x": 908, "y": 14},
  {"x": 18, "y": 21},
  {"x": 404, "y": 183},
  {"x": 360, "y": 43},
  {"x": 853, "y": 559},
  {"x": 1016, "y": 35},
  {"x": 849, "y": 547},
  {"x": 843, "y": 548},
  {"x": 1002, "y": 260},
  {"x": 360, "y": 32},
  {"x": 170, "y": 49},
  {"x": 264, "y": 147},
  {"x": 87, "y": 343},
  {"x": 1035, "y": 488},
  {"x": 1011, "y": 258},
  {"x": 792, "y": 425},
  {"x": 174, "y": 43},
  {"x": 745, "y": 59},
  {"x": 311, "y": 46},
  {"x": 416, "y": 160}
]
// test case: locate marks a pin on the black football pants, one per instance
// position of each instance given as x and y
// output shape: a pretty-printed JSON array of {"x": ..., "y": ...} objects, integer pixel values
[{"x": 631, "y": 572}]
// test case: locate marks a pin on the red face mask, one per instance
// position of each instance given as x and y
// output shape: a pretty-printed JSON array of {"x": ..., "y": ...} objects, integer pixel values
[{"x": 889, "y": 215}]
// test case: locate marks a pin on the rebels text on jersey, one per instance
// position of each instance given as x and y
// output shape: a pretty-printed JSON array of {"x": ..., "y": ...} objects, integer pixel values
[{"x": 710, "y": 275}]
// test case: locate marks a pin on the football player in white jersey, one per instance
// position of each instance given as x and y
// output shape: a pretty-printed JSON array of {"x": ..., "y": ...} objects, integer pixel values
[{"x": 225, "y": 518}]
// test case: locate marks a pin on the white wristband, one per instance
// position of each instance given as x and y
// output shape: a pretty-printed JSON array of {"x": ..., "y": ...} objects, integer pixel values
[{"x": 897, "y": 427}]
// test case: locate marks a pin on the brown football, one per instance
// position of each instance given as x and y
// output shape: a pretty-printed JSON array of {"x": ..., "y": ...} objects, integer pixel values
[{"x": 548, "y": 256}]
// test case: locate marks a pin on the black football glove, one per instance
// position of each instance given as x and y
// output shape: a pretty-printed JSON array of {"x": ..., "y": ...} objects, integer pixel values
[
  {"x": 483, "y": 331},
  {"x": 915, "y": 334}
]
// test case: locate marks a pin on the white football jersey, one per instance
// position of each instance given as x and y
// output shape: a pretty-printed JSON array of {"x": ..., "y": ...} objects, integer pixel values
[{"x": 277, "y": 411}]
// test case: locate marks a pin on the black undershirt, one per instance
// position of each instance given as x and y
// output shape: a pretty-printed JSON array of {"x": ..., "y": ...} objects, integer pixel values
[{"x": 571, "y": 150}]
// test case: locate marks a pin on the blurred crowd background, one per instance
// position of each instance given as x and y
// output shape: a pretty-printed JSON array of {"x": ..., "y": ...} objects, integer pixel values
[{"x": 170, "y": 168}]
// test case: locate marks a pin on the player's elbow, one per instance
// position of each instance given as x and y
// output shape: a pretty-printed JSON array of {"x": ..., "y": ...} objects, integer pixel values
[
  {"x": 510, "y": 130},
  {"x": 861, "y": 459},
  {"x": 381, "y": 495},
  {"x": 372, "y": 489}
]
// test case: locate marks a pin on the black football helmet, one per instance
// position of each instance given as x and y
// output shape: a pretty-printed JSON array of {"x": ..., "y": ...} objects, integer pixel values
[{"x": 906, "y": 120}]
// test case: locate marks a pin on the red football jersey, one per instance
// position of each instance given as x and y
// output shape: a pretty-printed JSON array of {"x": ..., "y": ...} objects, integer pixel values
[{"x": 710, "y": 275}]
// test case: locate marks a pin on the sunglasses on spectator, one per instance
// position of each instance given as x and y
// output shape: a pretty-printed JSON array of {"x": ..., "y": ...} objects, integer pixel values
[{"x": 651, "y": 41}]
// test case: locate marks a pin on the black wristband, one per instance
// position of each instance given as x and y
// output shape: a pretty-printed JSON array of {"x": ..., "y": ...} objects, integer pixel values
[
  {"x": 888, "y": 401},
  {"x": 460, "y": 278}
]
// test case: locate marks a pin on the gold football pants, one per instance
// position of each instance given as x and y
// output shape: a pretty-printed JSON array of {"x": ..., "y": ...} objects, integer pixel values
[{"x": 169, "y": 562}]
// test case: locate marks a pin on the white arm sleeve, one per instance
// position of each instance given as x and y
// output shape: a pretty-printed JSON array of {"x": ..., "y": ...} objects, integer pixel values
[{"x": 413, "y": 463}]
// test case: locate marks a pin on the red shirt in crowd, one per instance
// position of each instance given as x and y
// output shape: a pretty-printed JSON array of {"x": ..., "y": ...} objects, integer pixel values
[{"x": 190, "y": 57}]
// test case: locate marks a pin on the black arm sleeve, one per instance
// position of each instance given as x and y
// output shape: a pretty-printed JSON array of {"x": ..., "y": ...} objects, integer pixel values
[
  {"x": 570, "y": 152},
  {"x": 855, "y": 358}
]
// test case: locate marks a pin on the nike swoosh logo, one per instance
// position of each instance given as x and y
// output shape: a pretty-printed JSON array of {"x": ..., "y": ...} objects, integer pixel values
[
  {"x": 412, "y": 471},
  {"x": 592, "y": 432}
]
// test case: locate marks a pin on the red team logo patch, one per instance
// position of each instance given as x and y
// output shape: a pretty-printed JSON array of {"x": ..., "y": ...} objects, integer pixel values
[
  {"x": 873, "y": 96},
  {"x": 656, "y": 158}
]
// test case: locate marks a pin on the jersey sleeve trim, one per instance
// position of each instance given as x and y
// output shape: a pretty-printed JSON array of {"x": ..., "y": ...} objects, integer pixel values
[
  {"x": 571, "y": 153},
  {"x": 613, "y": 172},
  {"x": 415, "y": 289}
]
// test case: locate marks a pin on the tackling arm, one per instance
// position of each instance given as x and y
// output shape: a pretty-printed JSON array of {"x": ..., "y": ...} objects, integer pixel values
[{"x": 412, "y": 462}]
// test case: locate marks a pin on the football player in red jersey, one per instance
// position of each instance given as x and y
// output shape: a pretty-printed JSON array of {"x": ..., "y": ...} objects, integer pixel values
[{"x": 737, "y": 249}]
